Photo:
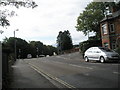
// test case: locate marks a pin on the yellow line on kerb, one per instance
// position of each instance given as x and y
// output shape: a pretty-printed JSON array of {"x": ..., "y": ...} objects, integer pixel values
[{"x": 50, "y": 76}]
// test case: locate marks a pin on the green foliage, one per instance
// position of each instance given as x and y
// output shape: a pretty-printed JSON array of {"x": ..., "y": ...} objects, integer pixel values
[
  {"x": 5, "y": 13},
  {"x": 64, "y": 41},
  {"x": 36, "y": 47},
  {"x": 49, "y": 50},
  {"x": 20, "y": 45},
  {"x": 17, "y": 4},
  {"x": 88, "y": 21},
  {"x": 24, "y": 48},
  {"x": 4, "y": 22}
]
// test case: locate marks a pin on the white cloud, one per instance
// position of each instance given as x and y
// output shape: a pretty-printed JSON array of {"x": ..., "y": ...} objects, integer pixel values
[{"x": 44, "y": 22}]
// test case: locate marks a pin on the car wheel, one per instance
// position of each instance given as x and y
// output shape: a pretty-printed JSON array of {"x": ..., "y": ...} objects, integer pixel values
[
  {"x": 86, "y": 59},
  {"x": 102, "y": 60}
]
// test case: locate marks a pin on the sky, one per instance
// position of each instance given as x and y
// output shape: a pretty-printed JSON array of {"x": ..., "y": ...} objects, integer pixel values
[{"x": 44, "y": 22}]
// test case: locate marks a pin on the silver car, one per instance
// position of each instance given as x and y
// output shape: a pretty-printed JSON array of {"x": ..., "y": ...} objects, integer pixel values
[{"x": 101, "y": 54}]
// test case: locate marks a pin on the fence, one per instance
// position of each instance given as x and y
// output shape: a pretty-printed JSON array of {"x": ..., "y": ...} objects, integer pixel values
[{"x": 6, "y": 68}]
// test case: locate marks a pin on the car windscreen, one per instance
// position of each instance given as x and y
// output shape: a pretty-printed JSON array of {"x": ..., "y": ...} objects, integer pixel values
[{"x": 106, "y": 50}]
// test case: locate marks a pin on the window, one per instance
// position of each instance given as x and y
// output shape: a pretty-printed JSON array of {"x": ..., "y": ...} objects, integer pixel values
[
  {"x": 113, "y": 45},
  {"x": 89, "y": 51},
  {"x": 112, "y": 27},
  {"x": 104, "y": 28},
  {"x": 97, "y": 52},
  {"x": 106, "y": 49}
]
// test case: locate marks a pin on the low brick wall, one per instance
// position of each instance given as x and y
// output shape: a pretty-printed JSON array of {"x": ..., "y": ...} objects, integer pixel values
[{"x": 71, "y": 50}]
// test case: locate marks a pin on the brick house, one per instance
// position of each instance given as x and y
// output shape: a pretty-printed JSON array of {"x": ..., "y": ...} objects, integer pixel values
[{"x": 110, "y": 30}]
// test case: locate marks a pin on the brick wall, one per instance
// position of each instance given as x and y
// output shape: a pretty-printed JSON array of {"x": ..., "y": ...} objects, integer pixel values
[
  {"x": 117, "y": 22},
  {"x": 105, "y": 37},
  {"x": 118, "y": 31},
  {"x": 111, "y": 37}
]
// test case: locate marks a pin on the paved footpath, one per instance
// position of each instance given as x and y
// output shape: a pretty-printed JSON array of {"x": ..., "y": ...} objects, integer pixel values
[{"x": 25, "y": 77}]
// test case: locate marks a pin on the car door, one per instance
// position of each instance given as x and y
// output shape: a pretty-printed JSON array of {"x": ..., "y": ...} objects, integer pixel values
[
  {"x": 90, "y": 55},
  {"x": 96, "y": 55}
]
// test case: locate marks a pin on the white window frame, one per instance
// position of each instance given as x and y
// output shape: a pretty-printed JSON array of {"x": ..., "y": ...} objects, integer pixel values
[{"x": 104, "y": 29}]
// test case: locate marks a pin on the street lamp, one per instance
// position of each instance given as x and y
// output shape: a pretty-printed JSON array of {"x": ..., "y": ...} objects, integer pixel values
[{"x": 15, "y": 43}]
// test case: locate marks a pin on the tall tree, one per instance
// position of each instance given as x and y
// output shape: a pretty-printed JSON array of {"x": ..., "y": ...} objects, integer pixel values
[
  {"x": 37, "y": 47},
  {"x": 24, "y": 48},
  {"x": 64, "y": 41},
  {"x": 88, "y": 21},
  {"x": 21, "y": 45}
]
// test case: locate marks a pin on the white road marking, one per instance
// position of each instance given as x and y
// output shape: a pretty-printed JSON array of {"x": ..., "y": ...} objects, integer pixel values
[
  {"x": 70, "y": 64},
  {"x": 80, "y": 66},
  {"x": 114, "y": 64},
  {"x": 86, "y": 74},
  {"x": 116, "y": 72},
  {"x": 63, "y": 58},
  {"x": 48, "y": 76}
]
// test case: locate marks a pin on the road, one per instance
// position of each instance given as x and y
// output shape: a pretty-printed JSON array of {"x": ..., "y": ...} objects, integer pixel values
[{"x": 70, "y": 71}]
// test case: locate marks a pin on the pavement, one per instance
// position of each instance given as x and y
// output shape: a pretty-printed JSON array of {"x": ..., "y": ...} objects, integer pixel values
[{"x": 25, "y": 77}]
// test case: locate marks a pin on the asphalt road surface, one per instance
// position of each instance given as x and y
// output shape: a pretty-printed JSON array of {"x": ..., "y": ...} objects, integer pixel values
[{"x": 70, "y": 71}]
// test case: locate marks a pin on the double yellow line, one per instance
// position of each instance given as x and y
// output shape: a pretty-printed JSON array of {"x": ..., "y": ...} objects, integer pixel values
[{"x": 46, "y": 75}]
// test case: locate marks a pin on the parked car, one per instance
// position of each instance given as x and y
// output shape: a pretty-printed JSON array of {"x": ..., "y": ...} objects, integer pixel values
[
  {"x": 101, "y": 54},
  {"x": 29, "y": 56},
  {"x": 41, "y": 55}
]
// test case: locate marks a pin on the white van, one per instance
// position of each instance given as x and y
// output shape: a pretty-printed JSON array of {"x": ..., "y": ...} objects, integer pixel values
[{"x": 101, "y": 54}]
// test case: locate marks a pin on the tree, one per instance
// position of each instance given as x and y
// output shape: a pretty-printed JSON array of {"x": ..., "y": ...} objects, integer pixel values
[
  {"x": 5, "y": 13},
  {"x": 22, "y": 46},
  {"x": 51, "y": 50},
  {"x": 64, "y": 41},
  {"x": 37, "y": 47},
  {"x": 88, "y": 21}
]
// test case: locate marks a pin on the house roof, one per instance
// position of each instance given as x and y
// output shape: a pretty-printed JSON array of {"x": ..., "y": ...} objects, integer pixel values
[{"x": 114, "y": 15}]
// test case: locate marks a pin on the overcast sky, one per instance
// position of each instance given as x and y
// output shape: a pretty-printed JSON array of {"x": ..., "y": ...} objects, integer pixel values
[{"x": 44, "y": 22}]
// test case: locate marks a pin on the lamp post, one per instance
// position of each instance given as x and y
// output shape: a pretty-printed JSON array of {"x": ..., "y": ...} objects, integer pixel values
[{"x": 15, "y": 43}]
